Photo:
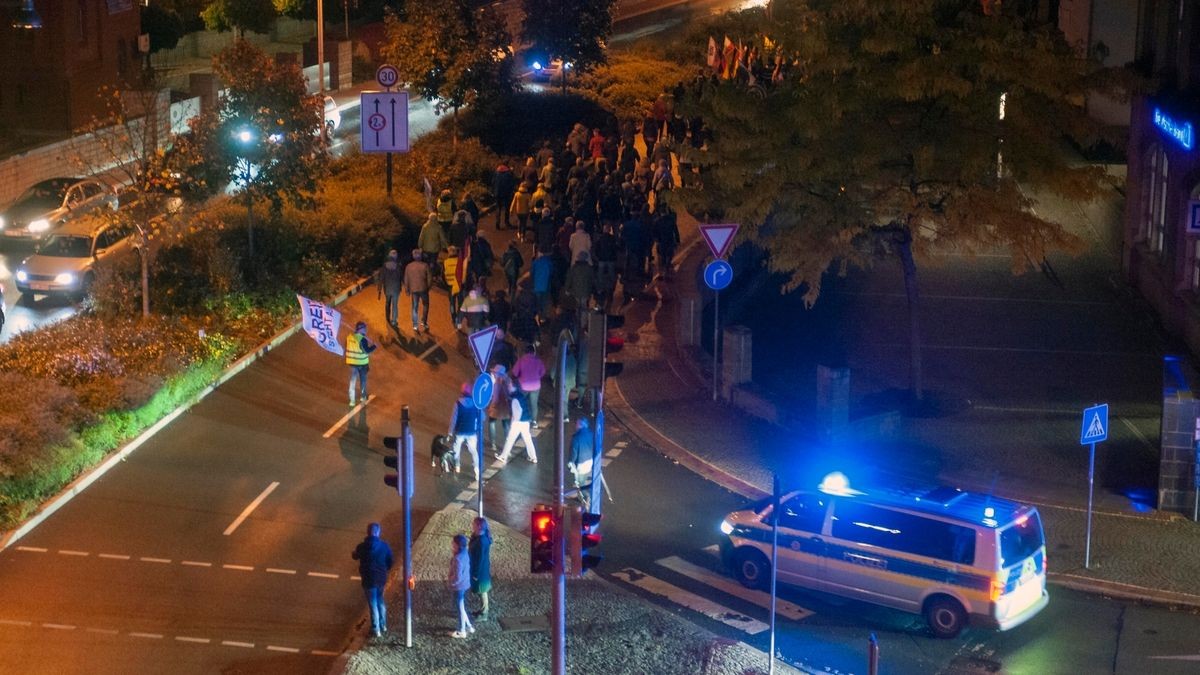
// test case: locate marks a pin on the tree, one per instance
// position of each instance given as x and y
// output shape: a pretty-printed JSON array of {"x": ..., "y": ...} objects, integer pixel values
[
  {"x": 264, "y": 135},
  {"x": 575, "y": 31},
  {"x": 164, "y": 26},
  {"x": 452, "y": 52},
  {"x": 901, "y": 127},
  {"x": 240, "y": 16},
  {"x": 129, "y": 144}
]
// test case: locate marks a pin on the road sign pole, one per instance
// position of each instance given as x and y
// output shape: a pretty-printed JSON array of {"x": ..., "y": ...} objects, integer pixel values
[
  {"x": 389, "y": 175},
  {"x": 558, "y": 627},
  {"x": 479, "y": 461},
  {"x": 1091, "y": 485},
  {"x": 716, "y": 337},
  {"x": 774, "y": 566},
  {"x": 406, "y": 480}
]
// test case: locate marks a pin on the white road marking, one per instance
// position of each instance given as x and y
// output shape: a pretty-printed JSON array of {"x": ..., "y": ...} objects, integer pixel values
[
  {"x": 464, "y": 496},
  {"x": 614, "y": 453},
  {"x": 276, "y": 570},
  {"x": 692, "y": 601},
  {"x": 112, "y": 556},
  {"x": 253, "y": 505},
  {"x": 347, "y": 416},
  {"x": 490, "y": 472},
  {"x": 74, "y": 553},
  {"x": 1047, "y": 411},
  {"x": 31, "y": 549},
  {"x": 161, "y": 561},
  {"x": 606, "y": 461},
  {"x": 1182, "y": 657},
  {"x": 321, "y": 652},
  {"x": 1142, "y": 437},
  {"x": 199, "y": 641},
  {"x": 103, "y": 631},
  {"x": 10, "y": 622},
  {"x": 152, "y": 636},
  {"x": 193, "y": 563},
  {"x": 708, "y": 577},
  {"x": 289, "y": 650},
  {"x": 233, "y": 643},
  {"x": 621, "y": 444},
  {"x": 241, "y": 568},
  {"x": 323, "y": 575},
  {"x": 355, "y": 578},
  {"x": 58, "y": 626},
  {"x": 429, "y": 351},
  {"x": 712, "y": 550}
]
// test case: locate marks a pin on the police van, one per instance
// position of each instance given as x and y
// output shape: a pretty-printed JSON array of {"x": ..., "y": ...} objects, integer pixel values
[{"x": 949, "y": 555}]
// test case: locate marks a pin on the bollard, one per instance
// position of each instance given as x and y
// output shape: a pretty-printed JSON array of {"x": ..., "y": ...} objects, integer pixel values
[{"x": 873, "y": 656}]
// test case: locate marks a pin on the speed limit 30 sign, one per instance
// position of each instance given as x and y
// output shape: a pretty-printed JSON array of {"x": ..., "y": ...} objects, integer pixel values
[{"x": 387, "y": 76}]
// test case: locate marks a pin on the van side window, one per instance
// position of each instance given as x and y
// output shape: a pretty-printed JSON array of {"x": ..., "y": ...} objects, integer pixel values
[
  {"x": 905, "y": 532},
  {"x": 802, "y": 512}
]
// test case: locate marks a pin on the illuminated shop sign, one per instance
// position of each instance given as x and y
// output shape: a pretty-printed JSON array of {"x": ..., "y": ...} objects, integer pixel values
[{"x": 1181, "y": 132}]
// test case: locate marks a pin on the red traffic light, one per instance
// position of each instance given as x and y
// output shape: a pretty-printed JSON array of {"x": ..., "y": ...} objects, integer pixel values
[{"x": 541, "y": 540}]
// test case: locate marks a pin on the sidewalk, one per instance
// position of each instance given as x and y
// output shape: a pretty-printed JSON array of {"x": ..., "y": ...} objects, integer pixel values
[{"x": 664, "y": 397}]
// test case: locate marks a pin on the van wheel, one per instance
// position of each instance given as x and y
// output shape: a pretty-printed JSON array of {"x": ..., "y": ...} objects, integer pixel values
[
  {"x": 946, "y": 618},
  {"x": 751, "y": 568}
]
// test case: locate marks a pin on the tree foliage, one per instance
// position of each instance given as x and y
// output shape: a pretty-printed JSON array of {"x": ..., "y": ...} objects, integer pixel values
[
  {"x": 630, "y": 81},
  {"x": 255, "y": 16},
  {"x": 282, "y": 146},
  {"x": 164, "y": 26},
  {"x": 575, "y": 31},
  {"x": 885, "y": 133},
  {"x": 452, "y": 52}
]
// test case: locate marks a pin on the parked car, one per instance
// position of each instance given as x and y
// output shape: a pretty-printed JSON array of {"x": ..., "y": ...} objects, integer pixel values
[
  {"x": 66, "y": 263},
  {"x": 333, "y": 116},
  {"x": 45, "y": 206}
]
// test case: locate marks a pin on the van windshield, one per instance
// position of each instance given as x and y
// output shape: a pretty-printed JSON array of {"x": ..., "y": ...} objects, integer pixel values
[{"x": 1021, "y": 539}]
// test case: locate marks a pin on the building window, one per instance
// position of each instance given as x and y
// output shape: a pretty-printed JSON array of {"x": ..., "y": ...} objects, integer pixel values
[{"x": 1154, "y": 190}]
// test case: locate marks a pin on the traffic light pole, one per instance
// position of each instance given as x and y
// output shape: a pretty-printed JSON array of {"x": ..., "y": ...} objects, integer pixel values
[
  {"x": 558, "y": 619},
  {"x": 405, "y": 466}
]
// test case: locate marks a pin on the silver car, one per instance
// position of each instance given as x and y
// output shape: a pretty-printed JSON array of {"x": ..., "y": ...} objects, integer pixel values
[
  {"x": 66, "y": 263},
  {"x": 45, "y": 206}
]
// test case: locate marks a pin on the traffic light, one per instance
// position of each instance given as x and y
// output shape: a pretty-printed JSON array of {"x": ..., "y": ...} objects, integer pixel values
[
  {"x": 581, "y": 528},
  {"x": 541, "y": 539},
  {"x": 392, "y": 461}
]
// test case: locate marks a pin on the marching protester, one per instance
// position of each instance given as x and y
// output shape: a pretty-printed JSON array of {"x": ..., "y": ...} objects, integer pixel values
[
  {"x": 358, "y": 357},
  {"x": 528, "y": 372},
  {"x": 522, "y": 418},
  {"x": 388, "y": 280},
  {"x": 417, "y": 280},
  {"x": 464, "y": 428},
  {"x": 459, "y": 581},
  {"x": 375, "y": 560},
  {"x": 452, "y": 274}
]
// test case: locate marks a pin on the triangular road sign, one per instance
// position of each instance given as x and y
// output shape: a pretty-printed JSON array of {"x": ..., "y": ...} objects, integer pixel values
[
  {"x": 1095, "y": 425},
  {"x": 719, "y": 237},
  {"x": 481, "y": 345},
  {"x": 1095, "y": 429}
]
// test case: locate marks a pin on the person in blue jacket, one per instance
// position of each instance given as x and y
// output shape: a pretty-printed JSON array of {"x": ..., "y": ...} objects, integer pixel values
[
  {"x": 465, "y": 428},
  {"x": 375, "y": 560},
  {"x": 541, "y": 270}
]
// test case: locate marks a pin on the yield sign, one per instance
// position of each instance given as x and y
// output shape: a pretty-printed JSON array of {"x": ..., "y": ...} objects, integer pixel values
[
  {"x": 719, "y": 237},
  {"x": 481, "y": 345}
]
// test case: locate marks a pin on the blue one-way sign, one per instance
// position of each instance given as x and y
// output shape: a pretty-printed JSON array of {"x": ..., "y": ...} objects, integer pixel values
[{"x": 1095, "y": 425}]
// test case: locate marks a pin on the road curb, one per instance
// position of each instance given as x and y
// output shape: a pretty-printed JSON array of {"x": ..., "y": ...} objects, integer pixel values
[
  {"x": 82, "y": 482},
  {"x": 1116, "y": 589}
]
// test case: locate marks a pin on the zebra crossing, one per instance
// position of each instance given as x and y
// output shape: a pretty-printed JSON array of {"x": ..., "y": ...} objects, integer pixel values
[{"x": 724, "y": 586}]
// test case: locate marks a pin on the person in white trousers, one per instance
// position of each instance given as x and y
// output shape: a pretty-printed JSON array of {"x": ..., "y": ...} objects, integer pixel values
[{"x": 522, "y": 416}]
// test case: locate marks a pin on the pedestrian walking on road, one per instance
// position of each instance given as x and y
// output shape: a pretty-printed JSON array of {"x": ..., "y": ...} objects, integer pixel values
[
  {"x": 522, "y": 417},
  {"x": 358, "y": 357},
  {"x": 499, "y": 410},
  {"x": 432, "y": 241},
  {"x": 459, "y": 581},
  {"x": 475, "y": 308},
  {"x": 519, "y": 207},
  {"x": 512, "y": 261},
  {"x": 388, "y": 281},
  {"x": 582, "y": 453},
  {"x": 374, "y": 558},
  {"x": 417, "y": 281},
  {"x": 528, "y": 372},
  {"x": 450, "y": 271},
  {"x": 479, "y": 550},
  {"x": 504, "y": 183},
  {"x": 465, "y": 428}
]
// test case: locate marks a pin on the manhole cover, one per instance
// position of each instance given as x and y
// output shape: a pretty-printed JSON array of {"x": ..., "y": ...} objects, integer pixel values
[{"x": 525, "y": 624}]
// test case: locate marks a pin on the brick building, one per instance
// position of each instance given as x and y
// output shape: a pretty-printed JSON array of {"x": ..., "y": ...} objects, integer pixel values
[
  {"x": 1162, "y": 212},
  {"x": 49, "y": 76}
]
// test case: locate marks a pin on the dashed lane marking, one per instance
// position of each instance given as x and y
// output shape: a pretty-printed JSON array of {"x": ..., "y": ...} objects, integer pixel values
[
  {"x": 726, "y": 585},
  {"x": 253, "y": 505},
  {"x": 346, "y": 418},
  {"x": 276, "y": 570},
  {"x": 199, "y": 641},
  {"x": 103, "y": 631},
  {"x": 288, "y": 650},
  {"x": 74, "y": 553},
  {"x": 322, "y": 652},
  {"x": 209, "y": 565},
  {"x": 240, "y": 568},
  {"x": 150, "y": 636},
  {"x": 235, "y": 643},
  {"x": 712, "y": 610},
  {"x": 11, "y": 622},
  {"x": 161, "y": 561},
  {"x": 58, "y": 626},
  {"x": 112, "y": 556},
  {"x": 322, "y": 575},
  {"x": 31, "y": 549},
  {"x": 189, "y": 639},
  {"x": 614, "y": 453},
  {"x": 193, "y": 563}
]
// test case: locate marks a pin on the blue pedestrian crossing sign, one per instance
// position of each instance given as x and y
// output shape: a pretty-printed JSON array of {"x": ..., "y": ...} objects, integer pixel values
[{"x": 1095, "y": 425}]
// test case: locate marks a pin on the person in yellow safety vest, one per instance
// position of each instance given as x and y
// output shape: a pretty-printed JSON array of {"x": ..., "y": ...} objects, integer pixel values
[
  {"x": 358, "y": 357},
  {"x": 450, "y": 274}
]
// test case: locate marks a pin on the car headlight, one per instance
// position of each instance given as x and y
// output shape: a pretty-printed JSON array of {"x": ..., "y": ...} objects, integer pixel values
[
  {"x": 1, "y": 222},
  {"x": 726, "y": 528},
  {"x": 64, "y": 279},
  {"x": 39, "y": 225},
  {"x": 22, "y": 276}
]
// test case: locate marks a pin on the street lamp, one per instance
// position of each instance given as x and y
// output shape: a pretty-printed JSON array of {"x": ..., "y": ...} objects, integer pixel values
[
  {"x": 27, "y": 17},
  {"x": 246, "y": 137}
]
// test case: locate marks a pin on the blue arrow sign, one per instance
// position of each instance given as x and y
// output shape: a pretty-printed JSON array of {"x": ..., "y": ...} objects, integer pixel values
[
  {"x": 481, "y": 393},
  {"x": 1095, "y": 425},
  {"x": 718, "y": 274}
]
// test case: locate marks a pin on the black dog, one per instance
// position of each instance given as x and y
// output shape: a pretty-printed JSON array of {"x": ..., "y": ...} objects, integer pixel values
[{"x": 441, "y": 454}]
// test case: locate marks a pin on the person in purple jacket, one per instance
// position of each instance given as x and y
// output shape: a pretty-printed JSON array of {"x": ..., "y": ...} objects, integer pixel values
[{"x": 528, "y": 372}]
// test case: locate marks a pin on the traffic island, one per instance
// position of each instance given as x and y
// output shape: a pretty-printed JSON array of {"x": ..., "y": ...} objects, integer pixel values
[{"x": 609, "y": 630}]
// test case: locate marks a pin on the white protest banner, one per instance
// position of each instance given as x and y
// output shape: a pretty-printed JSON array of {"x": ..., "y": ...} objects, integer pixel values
[{"x": 321, "y": 322}]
